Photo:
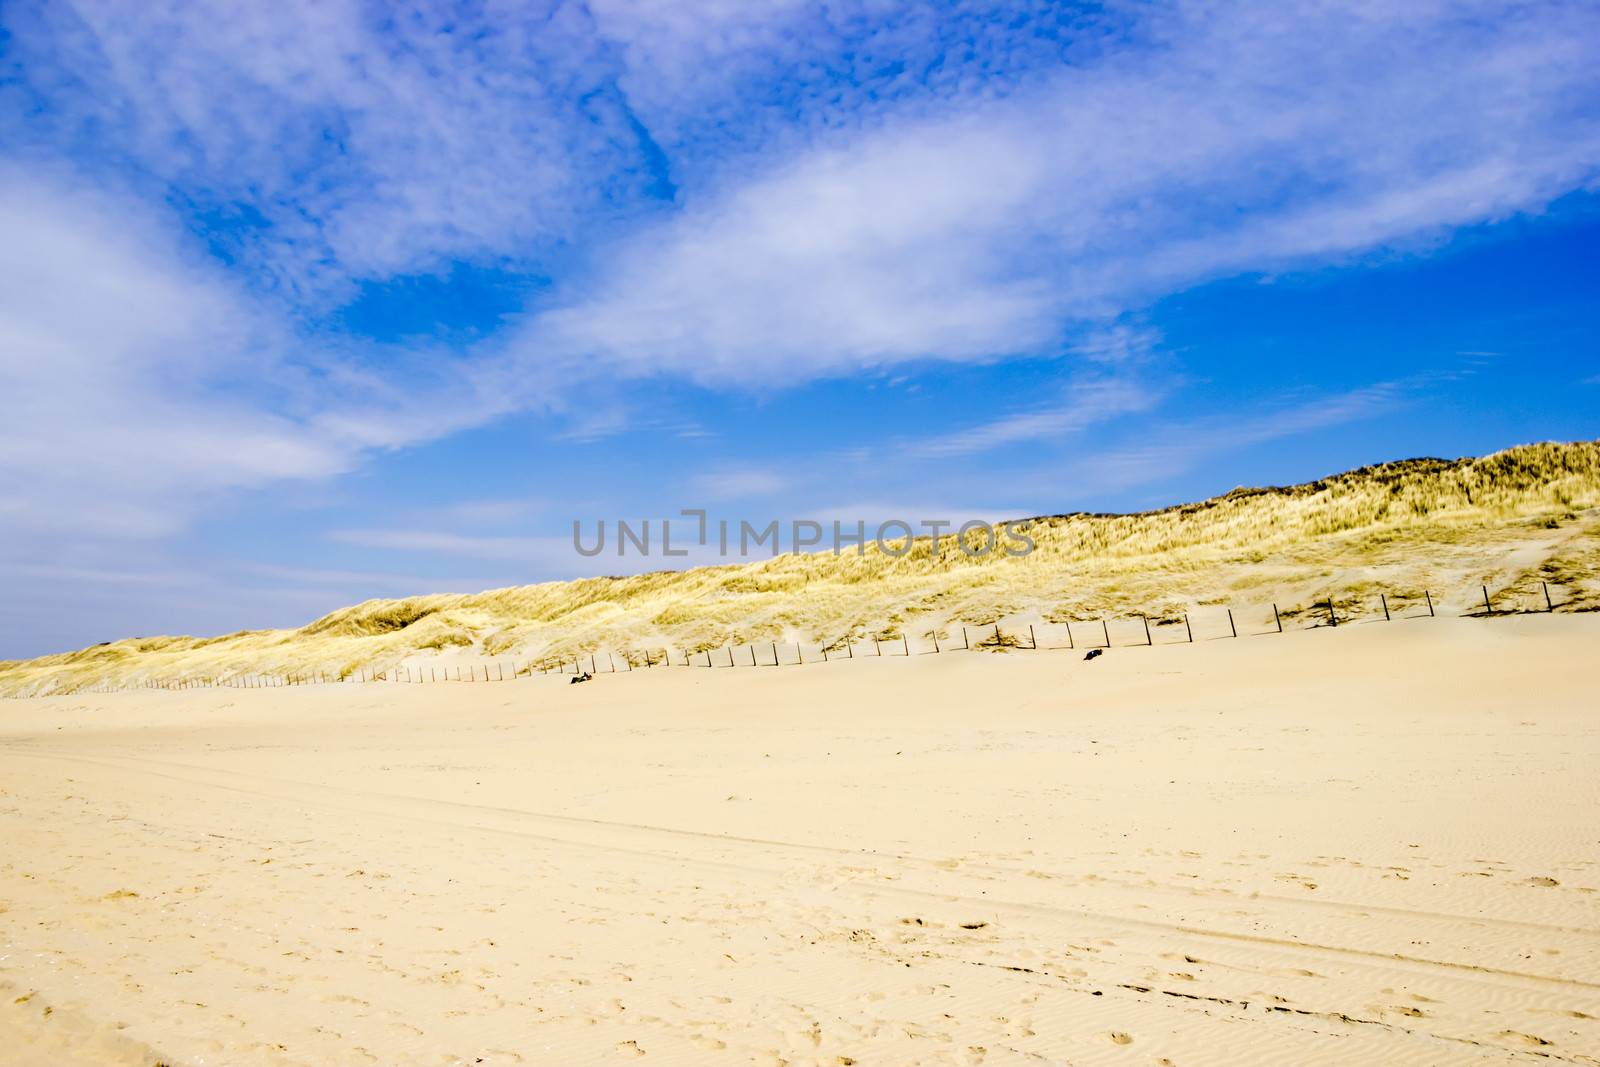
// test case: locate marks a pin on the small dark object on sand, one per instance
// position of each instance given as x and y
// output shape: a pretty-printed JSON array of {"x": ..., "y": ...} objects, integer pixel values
[
  {"x": 584, "y": 677},
  {"x": 1093, "y": 652}
]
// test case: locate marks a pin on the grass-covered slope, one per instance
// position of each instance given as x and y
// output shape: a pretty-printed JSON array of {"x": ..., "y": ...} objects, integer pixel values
[{"x": 1510, "y": 520}]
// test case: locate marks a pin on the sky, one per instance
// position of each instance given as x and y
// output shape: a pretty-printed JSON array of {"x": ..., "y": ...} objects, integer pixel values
[{"x": 306, "y": 303}]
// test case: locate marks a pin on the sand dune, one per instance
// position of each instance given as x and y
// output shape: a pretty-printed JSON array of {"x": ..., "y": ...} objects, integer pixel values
[
  {"x": 1516, "y": 521},
  {"x": 1375, "y": 844}
]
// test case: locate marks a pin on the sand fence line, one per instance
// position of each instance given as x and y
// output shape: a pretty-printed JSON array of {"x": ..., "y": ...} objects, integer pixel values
[{"x": 1135, "y": 630}]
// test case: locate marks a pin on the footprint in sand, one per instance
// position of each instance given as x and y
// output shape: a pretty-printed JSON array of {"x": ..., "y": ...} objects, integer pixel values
[
  {"x": 1517, "y": 1037},
  {"x": 1117, "y": 1037}
]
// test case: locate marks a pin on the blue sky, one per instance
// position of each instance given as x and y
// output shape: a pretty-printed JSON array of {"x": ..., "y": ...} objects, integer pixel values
[{"x": 302, "y": 304}]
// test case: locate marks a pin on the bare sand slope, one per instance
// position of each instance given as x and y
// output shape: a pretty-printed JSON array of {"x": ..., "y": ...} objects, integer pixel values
[{"x": 1379, "y": 844}]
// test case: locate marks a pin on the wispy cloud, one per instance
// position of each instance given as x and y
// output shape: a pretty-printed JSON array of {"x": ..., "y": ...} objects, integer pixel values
[
  {"x": 986, "y": 226},
  {"x": 119, "y": 357},
  {"x": 727, "y": 195},
  {"x": 728, "y": 483},
  {"x": 1087, "y": 404},
  {"x": 493, "y": 511},
  {"x": 350, "y": 142},
  {"x": 469, "y": 546},
  {"x": 143, "y": 380},
  {"x": 976, "y": 213},
  {"x": 1186, "y": 444}
]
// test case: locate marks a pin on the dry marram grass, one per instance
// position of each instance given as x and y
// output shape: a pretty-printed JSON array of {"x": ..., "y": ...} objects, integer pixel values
[{"x": 1511, "y": 520}]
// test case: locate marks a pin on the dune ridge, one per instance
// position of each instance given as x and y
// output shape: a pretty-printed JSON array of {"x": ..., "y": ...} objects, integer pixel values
[{"x": 1515, "y": 521}]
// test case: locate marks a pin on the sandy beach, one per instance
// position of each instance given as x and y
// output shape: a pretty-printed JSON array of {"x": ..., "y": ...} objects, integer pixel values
[{"x": 1376, "y": 844}]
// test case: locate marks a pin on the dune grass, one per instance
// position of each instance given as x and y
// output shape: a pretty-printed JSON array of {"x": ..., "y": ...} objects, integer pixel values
[{"x": 1511, "y": 520}]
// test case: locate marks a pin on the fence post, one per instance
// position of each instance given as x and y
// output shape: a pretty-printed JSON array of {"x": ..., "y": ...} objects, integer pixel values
[
  {"x": 1277, "y": 618},
  {"x": 1234, "y": 630},
  {"x": 1488, "y": 609},
  {"x": 824, "y": 653},
  {"x": 1186, "y": 627},
  {"x": 850, "y": 651},
  {"x": 876, "y": 651},
  {"x": 905, "y": 646},
  {"x": 936, "y": 640},
  {"x": 1105, "y": 630},
  {"x": 1070, "y": 643},
  {"x": 1032, "y": 641},
  {"x": 964, "y": 642},
  {"x": 1547, "y": 605},
  {"x": 1146, "y": 620},
  {"x": 997, "y": 634},
  {"x": 1333, "y": 620},
  {"x": 1429, "y": 597}
]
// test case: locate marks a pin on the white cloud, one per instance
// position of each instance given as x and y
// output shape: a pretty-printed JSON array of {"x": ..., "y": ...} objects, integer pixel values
[
  {"x": 527, "y": 549},
  {"x": 1184, "y": 445},
  {"x": 1252, "y": 139},
  {"x": 371, "y": 143},
  {"x": 118, "y": 358},
  {"x": 852, "y": 190},
  {"x": 1088, "y": 403},
  {"x": 494, "y": 511},
  {"x": 142, "y": 380},
  {"x": 727, "y": 483}
]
